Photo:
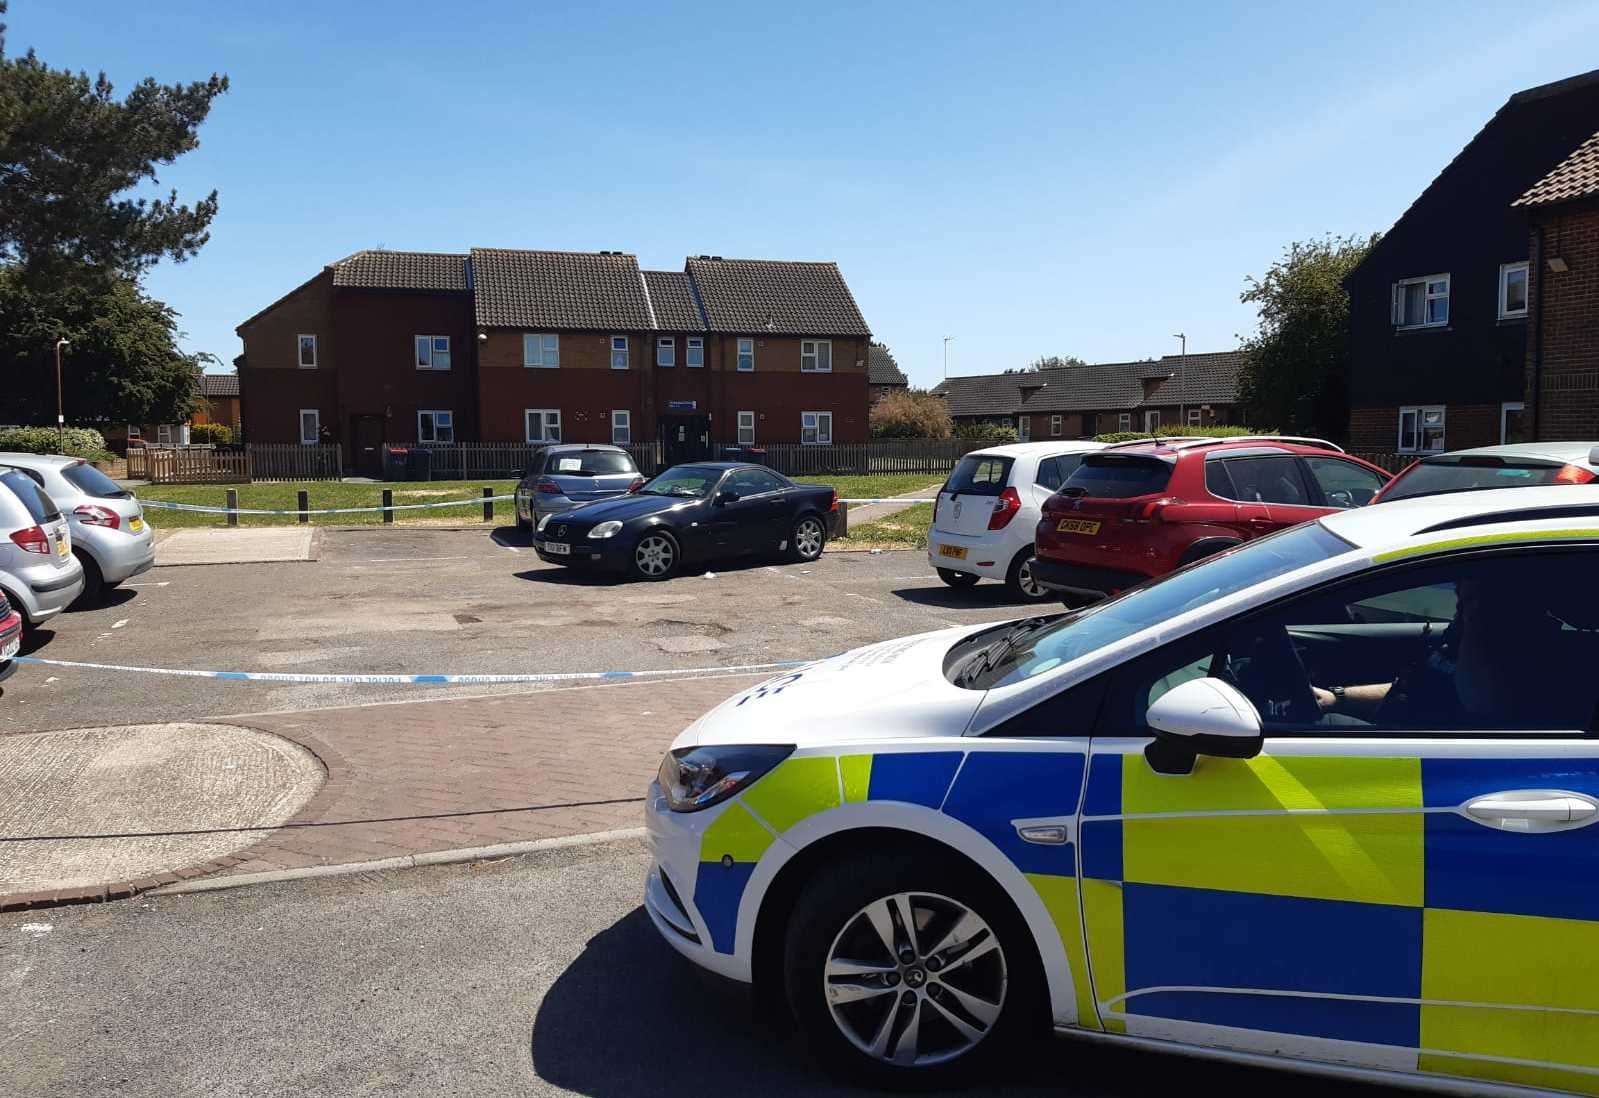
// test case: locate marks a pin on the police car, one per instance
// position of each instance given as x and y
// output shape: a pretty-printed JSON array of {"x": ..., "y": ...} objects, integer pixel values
[{"x": 1321, "y": 801}]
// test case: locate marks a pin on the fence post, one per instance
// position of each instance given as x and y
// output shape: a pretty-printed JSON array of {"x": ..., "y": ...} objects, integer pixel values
[
  {"x": 488, "y": 504},
  {"x": 305, "y": 504},
  {"x": 388, "y": 505},
  {"x": 843, "y": 521},
  {"x": 233, "y": 507}
]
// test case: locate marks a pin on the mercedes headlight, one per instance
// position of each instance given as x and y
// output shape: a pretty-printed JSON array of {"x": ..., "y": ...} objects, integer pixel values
[
  {"x": 605, "y": 529},
  {"x": 694, "y": 778},
  {"x": 545, "y": 521}
]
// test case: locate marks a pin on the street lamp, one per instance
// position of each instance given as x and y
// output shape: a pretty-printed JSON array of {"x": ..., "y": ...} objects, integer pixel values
[
  {"x": 946, "y": 356},
  {"x": 1182, "y": 379},
  {"x": 61, "y": 418}
]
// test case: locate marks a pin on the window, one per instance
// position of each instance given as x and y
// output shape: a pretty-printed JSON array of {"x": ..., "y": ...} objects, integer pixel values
[
  {"x": 1194, "y": 417},
  {"x": 1053, "y": 471},
  {"x": 134, "y": 431},
  {"x": 816, "y": 356},
  {"x": 746, "y": 355},
  {"x": 435, "y": 426},
  {"x": 746, "y": 428},
  {"x": 621, "y": 427},
  {"x": 541, "y": 350},
  {"x": 619, "y": 352},
  {"x": 432, "y": 352},
  {"x": 163, "y": 434},
  {"x": 754, "y": 482},
  {"x": 816, "y": 428},
  {"x": 1343, "y": 483},
  {"x": 666, "y": 351},
  {"x": 1054, "y": 426},
  {"x": 1263, "y": 480},
  {"x": 1421, "y": 429},
  {"x": 307, "y": 352},
  {"x": 694, "y": 353},
  {"x": 1024, "y": 428},
  {"x": 1513, "y": 422},
  {"x": 1152, "y": 421},
  {"x": 542, "y": 424},
  {"x": 978, "y": 475},
  {"x": 1513, "y": 290},
  {"x": 1124, "y": 421},
  {"x": 310, "y": 426},
  {"x": 1422, "y": 302}
]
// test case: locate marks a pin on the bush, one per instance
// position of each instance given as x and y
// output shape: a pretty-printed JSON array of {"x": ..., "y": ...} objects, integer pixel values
[
  {"x": 911, "y": 414},
  {"x": 83, "y": 442},
  {"x": 217, "y": 434},
  {"x": 986, "y": 432},
  {"x": 1174, "y": 430}
]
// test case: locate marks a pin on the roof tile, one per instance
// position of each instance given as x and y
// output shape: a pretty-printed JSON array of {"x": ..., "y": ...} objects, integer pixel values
[
  {"x": 783, "y": 297},
  {"x": 881, "y": 369},
  {"x": 584, "y": 290},
  {"x": 384, "y": 270},
  {"x": 1208, "y": 378},
  {"x": 219, "y": 385},
  {"x": 1577, "y": 176},
  {"x": 672, "y": 297}
]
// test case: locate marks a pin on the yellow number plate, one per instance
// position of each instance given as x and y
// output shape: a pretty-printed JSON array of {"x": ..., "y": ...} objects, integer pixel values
[
  {"x": 1077, "y": 526},
  {"x": 956, "y": 551},
  {"x": 136, "y": 525},
  {"x": 61, "y": 547}
]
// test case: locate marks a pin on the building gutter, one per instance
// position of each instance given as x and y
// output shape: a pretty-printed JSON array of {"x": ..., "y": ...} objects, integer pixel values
[{"x": 1537, "y": 336}]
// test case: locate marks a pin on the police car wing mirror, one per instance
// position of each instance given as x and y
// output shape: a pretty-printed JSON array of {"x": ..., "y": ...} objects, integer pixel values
[{"x": 1201, "y": 717}]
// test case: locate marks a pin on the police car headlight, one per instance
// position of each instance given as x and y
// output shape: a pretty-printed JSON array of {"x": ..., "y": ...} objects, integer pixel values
[
  {"x": 605, "y": 529},
  {"x": 545, "y": 521},
  {"x": 694, "y": 778}
]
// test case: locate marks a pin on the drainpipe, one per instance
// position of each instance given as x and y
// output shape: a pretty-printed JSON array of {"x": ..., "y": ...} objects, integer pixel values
[{"x": 1537, "y": 338}]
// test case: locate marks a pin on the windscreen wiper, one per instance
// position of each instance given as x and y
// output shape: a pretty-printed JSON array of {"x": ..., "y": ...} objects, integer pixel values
[{"x": 995, "y": 653}]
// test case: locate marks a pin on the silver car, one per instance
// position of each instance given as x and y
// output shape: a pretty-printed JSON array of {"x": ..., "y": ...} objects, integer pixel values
[
  {"x": 569, "y": 475},
  {"x": 110, "y": 537},
  {"x": 38, "y": 572},
  {"x": 1512, "y": 465}
]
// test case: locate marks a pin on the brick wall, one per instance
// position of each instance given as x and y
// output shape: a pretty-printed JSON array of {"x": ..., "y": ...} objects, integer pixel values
[
  {"x": 1376, "y": 429},
  {"x": 1564, "y": 307},
  {"x": 272, "y": 387}
]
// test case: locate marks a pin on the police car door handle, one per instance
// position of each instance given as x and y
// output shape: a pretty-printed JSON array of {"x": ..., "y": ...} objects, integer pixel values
[{"x": 1534, "y": 810}]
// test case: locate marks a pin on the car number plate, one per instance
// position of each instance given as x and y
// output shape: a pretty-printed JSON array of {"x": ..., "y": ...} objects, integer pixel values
[
  {"x": 1077, "y": 526},
  {"x": 11, "y": 648},
  {"x": 958, "y": 552},
  {"x": 136, "y": 525},
  {"x": 559, "y": 548},
  {"x": 61, "y": 546}
]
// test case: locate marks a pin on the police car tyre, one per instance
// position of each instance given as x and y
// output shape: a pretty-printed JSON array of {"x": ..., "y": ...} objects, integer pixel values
[
  {"x": 655, "y": 556},
  {"x": 957, "y": 579},
  {"x": 94, "y": 587},
  {"x": 964, "y": 996},
  {"x": 1020, "y": 578},
  {"x": 807, "y": 538}
]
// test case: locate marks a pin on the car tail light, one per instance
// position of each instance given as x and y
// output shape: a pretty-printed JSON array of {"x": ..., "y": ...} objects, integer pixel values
[
  {"x": 1575, "y": 474},
  {"x": 1005, "y": 509},
  {"x": 90, "y": 515},
  {"x": 547, "y": 488},
  {"x": 832, "y": 504},
  {"x": 32, "y": 540},
  {"x": 638, "y": 482},
  {"x": 1152, "y": 511}
]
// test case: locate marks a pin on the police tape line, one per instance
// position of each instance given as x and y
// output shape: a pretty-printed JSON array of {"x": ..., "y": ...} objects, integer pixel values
[
  {"x": 201, "y": 509},
  {"x": 417, "y": 680}
]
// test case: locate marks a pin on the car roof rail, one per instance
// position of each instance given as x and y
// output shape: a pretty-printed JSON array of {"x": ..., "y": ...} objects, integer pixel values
[
  {"x": 1525, "y": 514},
  {"x": 1161, "y": 440},
  {"x": 1298, "y": 440}
]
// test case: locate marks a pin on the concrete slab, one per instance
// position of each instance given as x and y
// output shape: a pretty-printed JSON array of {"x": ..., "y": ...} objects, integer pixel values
[
  {"x": 681, "y": 645},
  {"x": 175, "y": 793},
  {"x": 241, "y": 546}
]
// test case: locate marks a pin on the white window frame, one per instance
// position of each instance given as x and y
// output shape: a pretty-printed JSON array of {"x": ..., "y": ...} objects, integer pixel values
[
  {"x": 316, "y": 426},
  {"x": 163, "y": 434},
  {"x": 549, "y": 421},
  {"x": 299, "y": 351},
  {"x": 1427, "y": 298},
  {"x": 1505, "y": 271},
  {"x": 1124, "y": 421},
  {"x": 746, "y": 429},
  {"x": 1504, "y": 414},
  {"x": 666, "y": 351},
  {"x": 621, "y": 427},
  {"x": 1152, "y": 421},
  {"x": 1054, "y": 426},
  {"x": 691, "y": 345},
  {"x": 1024, "y": 428},
  {"x": 135, "y": 431},
  {"x": 817, "y": 438},
  {"x": 541, "y": 350},
  {"x": 447, "y": 425},
  {"x": 1419, "y": 411},
  {"x": 430, "y": 345},
  {"x": 1195, "y": 417},
  {"x": 745, "y": 348},
  {"x": 623, "y": 350},
  {"x": 815, "y": 355}
]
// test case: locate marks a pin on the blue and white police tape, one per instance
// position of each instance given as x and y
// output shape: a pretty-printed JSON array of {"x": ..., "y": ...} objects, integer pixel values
[
  {"x": 418, "y": 680},
  {"x": 201, "y": 509}
]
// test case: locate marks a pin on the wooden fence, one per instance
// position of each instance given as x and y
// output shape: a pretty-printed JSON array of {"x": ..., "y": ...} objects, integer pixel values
[
  {"x": 1392, "y": 462},
  {"x": 293, "y": 461},
  {"x": 232, "y": 465}
]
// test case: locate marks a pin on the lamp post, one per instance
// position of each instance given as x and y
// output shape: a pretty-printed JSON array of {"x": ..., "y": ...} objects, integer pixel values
[
  {"x": 946, "y": 356},
  {"x": 1182, "y": 379},
  {"x": 61, "y": 418}
]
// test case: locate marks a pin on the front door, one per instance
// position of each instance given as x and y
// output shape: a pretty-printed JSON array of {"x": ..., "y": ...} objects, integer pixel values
[
  {"x": 685, "y": 438},
  {"x": 368, "y": 436},
  {"x": 1405, "y": 877}
]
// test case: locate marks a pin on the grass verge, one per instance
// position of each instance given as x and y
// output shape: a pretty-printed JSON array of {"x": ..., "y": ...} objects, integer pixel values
[{"x": 904, "y": 530}]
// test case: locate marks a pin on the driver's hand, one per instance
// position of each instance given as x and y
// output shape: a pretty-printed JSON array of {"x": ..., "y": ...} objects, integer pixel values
[{"x": 1326, "y": 700}]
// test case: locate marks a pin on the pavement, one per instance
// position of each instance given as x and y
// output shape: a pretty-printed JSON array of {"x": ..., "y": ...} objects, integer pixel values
[
  {"x": 244, "y": 545},
  {"x": 528, "y": 976},
  {"x": 872, "y": 512}
]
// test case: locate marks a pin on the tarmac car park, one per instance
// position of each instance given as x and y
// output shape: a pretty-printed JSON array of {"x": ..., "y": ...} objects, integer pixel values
[{"x": 1321, "y": 801}]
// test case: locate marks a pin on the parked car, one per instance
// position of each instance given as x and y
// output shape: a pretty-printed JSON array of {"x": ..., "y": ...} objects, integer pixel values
[
  {"x": 986, "y": 511},
  {"x": 39, "y": 576},
  {"x": 110, "y": 537},
  {"x": 1515, "y": 465},
  {"x": 692, "y": 514},
  {"x": 1141, "y": 509},
  {"x": 1163, "y": 822},
  {"x": 10, "y": 638},
  {"x": 564, "y": 476}
]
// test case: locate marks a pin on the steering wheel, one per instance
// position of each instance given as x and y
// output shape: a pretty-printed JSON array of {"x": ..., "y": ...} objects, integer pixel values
[{"x": 1274, "y": 678}]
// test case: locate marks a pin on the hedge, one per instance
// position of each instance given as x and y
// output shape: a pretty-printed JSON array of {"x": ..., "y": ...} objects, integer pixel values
[
  {"x": 1173, "y": 430},
  {"x": 83, "y": 442},
  {"x": 218, "y": 434}
]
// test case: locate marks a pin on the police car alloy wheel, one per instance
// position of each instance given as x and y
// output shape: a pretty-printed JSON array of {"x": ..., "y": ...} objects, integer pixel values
[
  {"x": 808, "y": 538},
  {"x": 655, "y": 556}
]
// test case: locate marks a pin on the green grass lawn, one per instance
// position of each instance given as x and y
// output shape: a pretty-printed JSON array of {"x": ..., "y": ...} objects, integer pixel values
[
  {"x": 905, "y": 530},
  {"x": 338, "y": 494}
]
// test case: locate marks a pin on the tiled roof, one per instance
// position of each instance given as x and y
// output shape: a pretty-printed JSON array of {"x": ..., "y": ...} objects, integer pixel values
[
  {"x": 1577, "y": 176},
  {"x": 523, "y": 289},
  {"x": 778, "y": 296},
  {"x": 1107, "y": 386},
  {"x": 382, "y": 270},
  {"x": 881, "y": 369},
  {"x": 672, "y": 297},
  {"x": 219, "y": 385}
]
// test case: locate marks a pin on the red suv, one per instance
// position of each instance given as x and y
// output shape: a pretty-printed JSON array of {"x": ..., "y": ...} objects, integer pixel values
[{"x": 1141, "y": 509}]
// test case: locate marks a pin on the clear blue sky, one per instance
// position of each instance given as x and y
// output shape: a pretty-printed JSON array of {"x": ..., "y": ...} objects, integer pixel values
[{"x": 1030, "y": 178}]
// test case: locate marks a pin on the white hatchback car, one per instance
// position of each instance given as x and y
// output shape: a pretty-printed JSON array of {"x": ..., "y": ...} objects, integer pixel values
[
  {"x": 1323, "y": 801},
  {"x": 987, "y": 510}
]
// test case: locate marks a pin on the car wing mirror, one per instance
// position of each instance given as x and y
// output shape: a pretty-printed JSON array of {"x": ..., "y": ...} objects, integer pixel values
[
  {"x": 1341, "y": 498},
  {"x": 1201, "y": 717},
  {"x": 726, "y": 497}
]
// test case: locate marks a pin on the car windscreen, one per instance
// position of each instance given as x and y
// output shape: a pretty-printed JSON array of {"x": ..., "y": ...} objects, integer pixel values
[
  {"x": 589, "y": 463},
  {"x": 92, "y": 482},
  {"x": 1434, "y": 478},
  {"x": 1149, "y": 604},
  {"x": 1118, "y": 476},
  {"x": 39, "y": 506},
  {"x": 683, "y": 480},
  {"x": 980, "y": 475}
]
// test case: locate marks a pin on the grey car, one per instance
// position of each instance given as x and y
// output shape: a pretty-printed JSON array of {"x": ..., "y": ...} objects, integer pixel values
[
  {"x": 110, "y": 537},
  {"x": 568, "y": 475},
  {"x": 1512, "y": 465},
  {"x": 38, "y": 573}
]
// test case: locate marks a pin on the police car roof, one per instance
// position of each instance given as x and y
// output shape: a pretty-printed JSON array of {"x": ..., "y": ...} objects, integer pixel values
[{"x": 1461, "y": 512}]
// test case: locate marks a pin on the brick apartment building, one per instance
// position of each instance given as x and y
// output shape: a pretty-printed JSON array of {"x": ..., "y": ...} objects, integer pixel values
[{"x": 502, "y": 345}]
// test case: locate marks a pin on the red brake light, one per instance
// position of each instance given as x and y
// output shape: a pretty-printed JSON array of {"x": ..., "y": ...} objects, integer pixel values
[
  {"x": 90, "y": 515},
  {"x": 1005, "y": 509},
  {"x": 1151, "y": 511},
  {"x": 1575, "y": 474},
  {"x": 547, "y": 488},
  {"x": 638, "y": 482},
  {"x": 832, "y": 504},
  {"x": 32, "y": 540}
]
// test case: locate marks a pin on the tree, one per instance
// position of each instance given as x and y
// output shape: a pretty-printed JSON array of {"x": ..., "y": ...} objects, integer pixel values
[
  {"x": 915, "y": 413},
  {"x": 70, "y": 152},
  {"x": 1296, "y": 366},
  {"x": 1056, "y": 362}
]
